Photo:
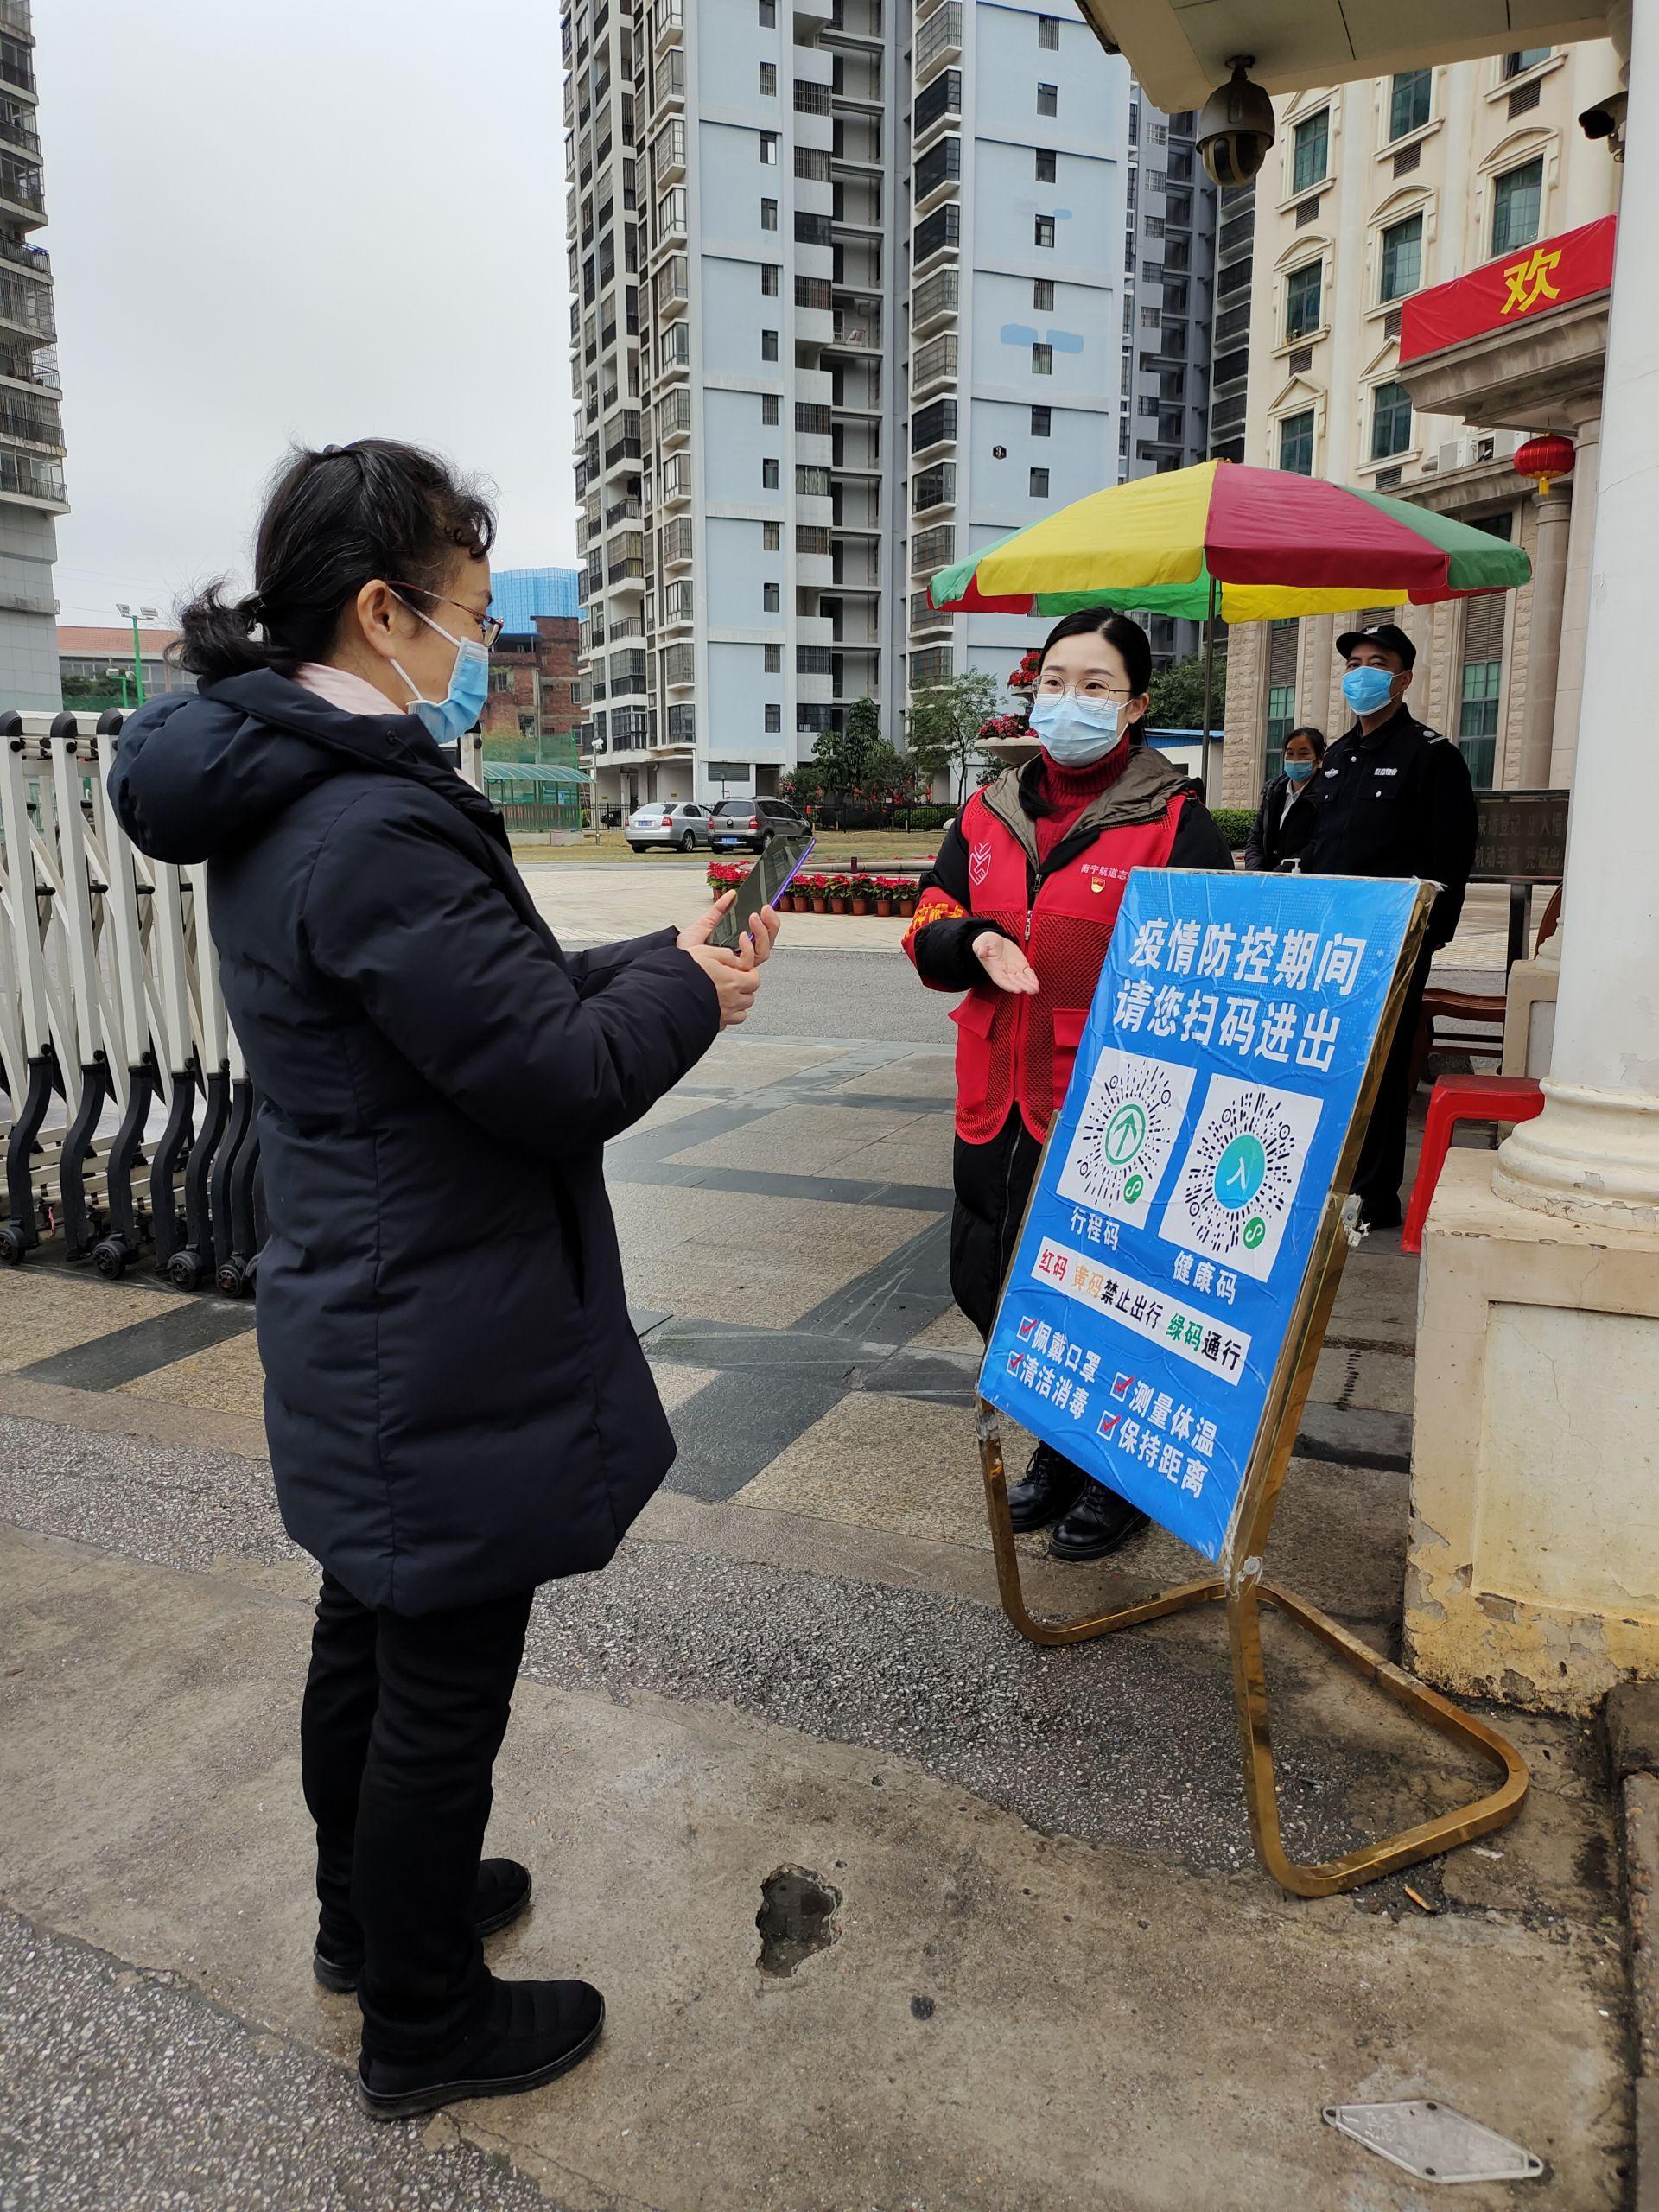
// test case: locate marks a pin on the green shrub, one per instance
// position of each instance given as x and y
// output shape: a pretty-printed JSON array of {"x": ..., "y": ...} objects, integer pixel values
[
  {"x": 1235, "y": 824},
  {"x": 929, "y": 818}
]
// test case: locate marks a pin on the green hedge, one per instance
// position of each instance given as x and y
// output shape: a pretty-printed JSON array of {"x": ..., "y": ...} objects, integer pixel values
[
  {"x": 927, "y": 818},
  {"x": 1235, "y": 824}
]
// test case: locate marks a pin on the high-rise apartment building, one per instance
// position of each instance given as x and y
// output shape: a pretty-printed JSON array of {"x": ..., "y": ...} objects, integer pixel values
[
  {"x": 1169, "y": 311},
  {"x": 849, "y": 303},
  {"x": 1373, "y": 191},
  {"x": 31, "y": 431},
  {"x": 1017, "y": 156}
]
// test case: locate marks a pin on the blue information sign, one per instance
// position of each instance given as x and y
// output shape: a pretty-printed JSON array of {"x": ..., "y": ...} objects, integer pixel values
[{"x": 1179, "y": 1199}]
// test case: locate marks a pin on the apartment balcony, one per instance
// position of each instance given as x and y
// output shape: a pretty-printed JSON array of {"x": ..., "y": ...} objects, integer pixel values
[
  {"x": 932, "y": 550},
  {"x": 938, "y": 173},
  {"x": 677, "y": 606},
  {"x": 938, "y": 39},
  {"x": 924, "y": 615},
  {"x": 619, "y": 511},
  {"x": 936, "y": 105},
  {"x": 675, "y": 481},
  {"x": 931, "y": 490},
  {"x": 667, "y": 23},
  {"x": 21, "y": 197},
  {"x": 936, "y": 234},
  {"x": 675, "y": 543},
  {"x": 680, "y": 728},
  {"x": 31, "y": 481},
  {"x": 668, "y": 154},
  {"x": 933, "y": 301},
  {"x": 679, "y": 668},
  {"x": 674, "y": 417},
  {"x": 932, "y": 364},
  {"x": 857, "y": 330}
]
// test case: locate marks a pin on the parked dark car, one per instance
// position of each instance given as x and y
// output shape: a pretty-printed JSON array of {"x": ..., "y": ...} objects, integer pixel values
[{"x": 753, "y": 823}]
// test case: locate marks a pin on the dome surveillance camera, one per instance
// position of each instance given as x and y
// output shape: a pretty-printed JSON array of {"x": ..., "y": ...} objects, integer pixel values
[
  {"x": 1606, "y": 120},
  {"x": 1236, "y": 127}
]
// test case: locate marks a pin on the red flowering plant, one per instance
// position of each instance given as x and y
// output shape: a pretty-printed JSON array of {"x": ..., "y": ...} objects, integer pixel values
[
  {"x": 1003, "y": 726},
  {"x": 1024, "y": 678}
]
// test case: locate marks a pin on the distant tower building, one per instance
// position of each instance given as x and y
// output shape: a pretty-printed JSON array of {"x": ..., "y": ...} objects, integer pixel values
[
  {"x": 31, "y": 432},
  {"x": 1170, "y": 263}
]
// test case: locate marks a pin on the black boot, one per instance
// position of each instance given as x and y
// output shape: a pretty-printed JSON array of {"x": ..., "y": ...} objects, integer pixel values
[
  {"x": 503, "y": 1893},
  {"x": 1097, "y": 1524},
  {"x": 535, "y": 2030},
  {"x": 1048, "y": 1487}
]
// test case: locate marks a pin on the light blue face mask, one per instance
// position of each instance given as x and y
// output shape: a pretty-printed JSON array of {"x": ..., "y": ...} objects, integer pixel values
[
  {"x": 1298, "y": 771},
  {"x": 1075, "y": 732},
  {"x": 449, "y": 719},
  {"x": 1367, "y": 689}
]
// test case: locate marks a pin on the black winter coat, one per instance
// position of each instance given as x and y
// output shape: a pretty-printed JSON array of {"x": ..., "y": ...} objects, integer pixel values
[
  {"x": 1275, "y": 836},
  {"x": 456, "y": 1405}
]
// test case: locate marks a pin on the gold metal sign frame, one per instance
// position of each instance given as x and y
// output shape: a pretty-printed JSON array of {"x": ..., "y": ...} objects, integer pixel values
[{"x": 1239, "y": 1584}]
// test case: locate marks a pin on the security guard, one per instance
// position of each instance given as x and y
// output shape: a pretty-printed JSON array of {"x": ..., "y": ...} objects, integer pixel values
[{"x": 1397, "y": 801}]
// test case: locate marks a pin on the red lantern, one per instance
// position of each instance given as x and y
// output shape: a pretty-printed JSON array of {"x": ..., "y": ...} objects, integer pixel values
[{"x": 1544, "y": 458}]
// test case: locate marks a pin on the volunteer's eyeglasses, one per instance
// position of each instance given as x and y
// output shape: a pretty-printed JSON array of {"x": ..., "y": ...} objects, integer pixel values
[
  {"x": 1055, "y": 687},
  {"x": 489, "y": 628}
]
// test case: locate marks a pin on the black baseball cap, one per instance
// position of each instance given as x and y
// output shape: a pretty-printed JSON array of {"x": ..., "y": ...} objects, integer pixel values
[{"x": 1389, "y": 635}]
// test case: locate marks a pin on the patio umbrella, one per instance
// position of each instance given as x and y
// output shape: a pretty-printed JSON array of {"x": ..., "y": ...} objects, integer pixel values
[{"x": 1222, "y": 538}]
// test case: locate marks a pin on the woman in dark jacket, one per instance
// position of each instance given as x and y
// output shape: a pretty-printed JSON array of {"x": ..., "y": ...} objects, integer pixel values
[
  {"x": 456, "y": 1405},
  {"x": 1289, "y": 812},
  {"x": 1017, "y": 911}
]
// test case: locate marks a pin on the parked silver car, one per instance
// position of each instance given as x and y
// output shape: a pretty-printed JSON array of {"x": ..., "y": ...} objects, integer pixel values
[
  {"x": 662, "y": 826},
  {"x": 753, "y": 823}
]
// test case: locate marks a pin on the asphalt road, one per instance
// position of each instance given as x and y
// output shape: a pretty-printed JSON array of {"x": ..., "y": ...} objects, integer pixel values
[{"x": 870, "y": 995}]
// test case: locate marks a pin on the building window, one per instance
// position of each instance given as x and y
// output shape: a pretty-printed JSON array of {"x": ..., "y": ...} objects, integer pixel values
[
  {"x": 1282, "y": 642},
  {"x": 1040, "y": 483},
  {"x": 769, "y": 600},
  {"x": 1048, "y": 31},
  {"x": 1408, "y": 101},
  {"x": 769, "y": 80},
  {"x": 1517, "y": 205},
  {"x": 500, "y": 679},
  {"x": 1402, "y": 258},
  {"x": 769, "y": 345},
  {"x": 1482, "y": 687},
  {"x": 1042, "y": 422},
  {"x": 769, "y": 475},
  {"x": 1044, "y": 231},
  {"x": 1047, "y": 165},
  {"x": 1048, "y": 99},
  {"x": 1042, "y": 294},
  {"x": 1527, "y": 57},
  {"x": 771, "y": 407},
  {"x": 768, "y": 15},
  {"x": 1302, "y": 302},
  {"x": 769, "y": 148},
  {"x": 771, "y": 276},
  {"x": 1042, "y": 360},
  {"x": 774, "y": 721},
  {"x": 772, "y": 536},
  {"x": 1296, "y": 443},
  {"x": 774, "y": 660},
  {"x": 1310, "y": 157},
  {"x": 768, "y": 214},
  {"x": 1391, "y": 421}
]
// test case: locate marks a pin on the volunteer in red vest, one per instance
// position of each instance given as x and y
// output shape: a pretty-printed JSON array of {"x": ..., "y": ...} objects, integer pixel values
[{"x": 1017, "y": 911}]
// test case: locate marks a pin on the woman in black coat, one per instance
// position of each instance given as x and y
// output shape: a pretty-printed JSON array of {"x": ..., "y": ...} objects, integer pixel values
[
  {"x": 1289, "y": 812},
  {"x": 456, "y": 1405}
]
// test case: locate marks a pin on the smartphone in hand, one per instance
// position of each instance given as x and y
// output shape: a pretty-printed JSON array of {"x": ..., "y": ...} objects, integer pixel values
[{"x": 764, "y": 885}]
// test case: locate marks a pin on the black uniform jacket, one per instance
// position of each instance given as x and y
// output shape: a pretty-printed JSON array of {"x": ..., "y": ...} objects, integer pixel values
[
  {"x": 1397, "y": 803},
  {"x": 1276, "y": 836}
]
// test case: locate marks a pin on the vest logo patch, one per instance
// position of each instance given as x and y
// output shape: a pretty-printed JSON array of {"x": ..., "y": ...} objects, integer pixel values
[{"x": 979, "y": 864}]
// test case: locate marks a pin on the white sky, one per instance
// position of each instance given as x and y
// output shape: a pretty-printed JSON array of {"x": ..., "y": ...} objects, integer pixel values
[{"x": 313, "y": 221}]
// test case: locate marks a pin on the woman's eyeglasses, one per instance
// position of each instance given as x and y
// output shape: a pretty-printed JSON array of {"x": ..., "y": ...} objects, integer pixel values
[
  {"x": 1052, "y": 687},
  {"x": 489, "y": 628}
]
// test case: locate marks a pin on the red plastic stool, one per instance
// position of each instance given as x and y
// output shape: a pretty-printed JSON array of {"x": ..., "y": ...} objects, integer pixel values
[{"x": 1462, "y": 1098}]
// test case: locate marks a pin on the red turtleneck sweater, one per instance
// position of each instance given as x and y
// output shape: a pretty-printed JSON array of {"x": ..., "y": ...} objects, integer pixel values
[{"x": 1068, "y": 790}]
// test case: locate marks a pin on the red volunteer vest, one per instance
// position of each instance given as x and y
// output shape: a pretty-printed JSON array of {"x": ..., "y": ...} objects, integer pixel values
[{"x": 1014, "y": 1049}]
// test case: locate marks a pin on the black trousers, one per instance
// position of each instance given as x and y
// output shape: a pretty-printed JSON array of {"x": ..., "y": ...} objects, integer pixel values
[
  {"x": 1382, "y": 1153},
  {"x": 403, "y": 1717}
]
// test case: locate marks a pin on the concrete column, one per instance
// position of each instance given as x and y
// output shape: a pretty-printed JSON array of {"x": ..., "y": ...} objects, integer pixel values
[
  {"x": 1575, "y": 601},
  {"x": 1544, "y": 636},
  {"x": 1534, "y": 1555}
]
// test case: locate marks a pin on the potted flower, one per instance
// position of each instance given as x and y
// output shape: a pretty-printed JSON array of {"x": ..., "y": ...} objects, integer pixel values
[
  {"x": 859, "y": 891},
  {"x": 818, "y": 893},
  {"x": 883, "y": 889},
  {"x": 838, "y": 894}
]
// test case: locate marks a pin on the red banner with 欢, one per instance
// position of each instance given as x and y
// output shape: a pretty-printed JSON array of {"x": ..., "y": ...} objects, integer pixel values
[{"x": 1515, "y": 289}]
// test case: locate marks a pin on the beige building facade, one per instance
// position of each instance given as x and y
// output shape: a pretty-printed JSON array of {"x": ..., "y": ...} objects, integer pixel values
[{"x": 1376, "y": 190}]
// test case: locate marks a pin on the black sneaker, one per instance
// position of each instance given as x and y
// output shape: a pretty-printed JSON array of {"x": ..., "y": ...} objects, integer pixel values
[
  {"x": 1380, "y": 1213},
  {"x": 1049, "y": 1486},
  {"x": 536, "y": 2032},
  {"x": 503, "y": 1893},
  {"x": 1098, "y": 1524}
]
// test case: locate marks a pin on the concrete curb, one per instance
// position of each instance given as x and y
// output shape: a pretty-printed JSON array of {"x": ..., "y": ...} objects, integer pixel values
[{"x": 1631, "y": 1717}]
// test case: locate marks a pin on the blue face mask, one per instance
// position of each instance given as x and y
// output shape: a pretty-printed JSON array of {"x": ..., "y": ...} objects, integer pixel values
[
  {"x": 1367, "y": 689},
  {"x": 1075, "y": 732},
  {"x": 449, "y": 719},
  {"x": 1298, "y": 771}
]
